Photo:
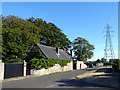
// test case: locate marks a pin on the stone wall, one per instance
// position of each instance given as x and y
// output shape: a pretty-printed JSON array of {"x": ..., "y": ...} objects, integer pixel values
[
  {"x": 58, "y": 68},
  {"x": 54, "y": 69},
  {"x": 99, "y": 64}
]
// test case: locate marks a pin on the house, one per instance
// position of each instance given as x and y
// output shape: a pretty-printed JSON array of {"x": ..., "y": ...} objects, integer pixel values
[{"x": 55, "y": 53}]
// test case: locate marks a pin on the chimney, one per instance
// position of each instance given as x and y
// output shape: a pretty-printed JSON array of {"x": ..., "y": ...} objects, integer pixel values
[{"x": 57, "y": 50}]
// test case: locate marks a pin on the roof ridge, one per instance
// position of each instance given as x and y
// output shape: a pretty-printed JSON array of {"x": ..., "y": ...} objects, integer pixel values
[
  {"x": 44, "y": 45},
  {"x": 49, "y": 46},
  {"x": 50, "y": 52}
]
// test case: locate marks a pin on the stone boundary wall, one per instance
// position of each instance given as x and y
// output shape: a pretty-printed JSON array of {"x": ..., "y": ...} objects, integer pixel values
[
  {"x": 54, "y": 69},
  {"x": 100, "y": 64}
]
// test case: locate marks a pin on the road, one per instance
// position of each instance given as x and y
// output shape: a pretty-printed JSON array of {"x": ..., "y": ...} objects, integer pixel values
[{"x": 59, "y": 80}]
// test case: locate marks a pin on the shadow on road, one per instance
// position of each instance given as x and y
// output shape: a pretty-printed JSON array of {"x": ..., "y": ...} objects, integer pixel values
[
  {"x": 81, "y": 83},
  {"x": 107, "y": 80},
  {"x": 105, "y": 70}
]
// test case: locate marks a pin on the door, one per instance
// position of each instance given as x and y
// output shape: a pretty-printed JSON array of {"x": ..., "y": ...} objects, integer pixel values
[{"x": 74, "y": 64}]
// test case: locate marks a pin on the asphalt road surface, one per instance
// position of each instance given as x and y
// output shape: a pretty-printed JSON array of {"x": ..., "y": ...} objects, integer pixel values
[{"x": 59, "y": 80}]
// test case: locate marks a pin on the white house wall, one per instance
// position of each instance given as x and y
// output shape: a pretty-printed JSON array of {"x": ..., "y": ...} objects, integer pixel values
[{"x": 81, "y": 65}]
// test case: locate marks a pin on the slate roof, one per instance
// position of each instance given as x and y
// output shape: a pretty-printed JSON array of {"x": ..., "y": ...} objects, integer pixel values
[{"x": 50, "y": 52}]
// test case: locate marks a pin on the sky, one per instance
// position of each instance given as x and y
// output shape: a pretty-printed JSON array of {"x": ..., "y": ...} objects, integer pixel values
[{"x": 75, "y": 19}]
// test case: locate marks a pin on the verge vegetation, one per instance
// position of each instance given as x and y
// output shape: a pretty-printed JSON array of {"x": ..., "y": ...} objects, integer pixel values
[
  {"x": 46, "y": 63},
  {"x": 116, "y": 65}
]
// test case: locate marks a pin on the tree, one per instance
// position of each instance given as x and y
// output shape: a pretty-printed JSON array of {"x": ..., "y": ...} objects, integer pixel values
[
  {"x": 103, "y": 60},
  {"x": 18, "y": 37},
  {"x": 98, "y": 61},
  {"x": 52, "y": 35},
  {"x": 83, "y": 50}
]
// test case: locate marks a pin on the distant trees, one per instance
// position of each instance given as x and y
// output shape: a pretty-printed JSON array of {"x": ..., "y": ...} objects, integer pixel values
[
  {"x": 102, "y": 60},
  {"x": 83, "y": 50},
  {"x": 98, "y": 61}
]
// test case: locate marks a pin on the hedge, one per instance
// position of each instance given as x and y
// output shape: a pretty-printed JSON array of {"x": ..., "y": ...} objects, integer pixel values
[
  {"x": 116, "y": 65},
  {"x": 46, "y": 63}
]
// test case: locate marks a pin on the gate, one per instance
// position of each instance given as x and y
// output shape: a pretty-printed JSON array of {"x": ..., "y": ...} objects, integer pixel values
[
  {"x": 28, "y": 68},
  {"x": 13, "y": 70},
  {"x": 74, "y": 64}
]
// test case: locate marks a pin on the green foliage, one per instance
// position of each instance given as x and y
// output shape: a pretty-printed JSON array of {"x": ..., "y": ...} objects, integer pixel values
[
  {"x": 14, "y": 60},
  {"x": 107, "y": 64},
  {"x": 83, "y": 50},
  {"x": 103, "y": 60},
  {"x": 0, "y": 38},
  {"x": 20, "y": 35},
  {"x": 98, "y": 61},
  {"x": 63, "y": 63},
  {"x": 35, "y": 53},
  {"x": 116, "y": 65},
  {"x": 52, "y": 34},
  {"x": 35, "y": 63},
  {"x": 46, "y": 63}
]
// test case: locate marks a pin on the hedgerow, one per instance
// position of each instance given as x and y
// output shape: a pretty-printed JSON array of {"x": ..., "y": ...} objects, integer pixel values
[
  {"x": 46, "y": 63},
  {"x": 116, "y": 65}
]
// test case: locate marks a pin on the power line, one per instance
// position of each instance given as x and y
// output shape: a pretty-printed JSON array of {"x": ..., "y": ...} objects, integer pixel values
[{"x": 110, "y": 12}]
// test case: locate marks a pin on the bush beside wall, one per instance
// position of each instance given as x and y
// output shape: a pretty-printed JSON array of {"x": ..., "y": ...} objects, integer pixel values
[
  {"x": 116, "y": 65},
  {"x": 46, "y": 63}
]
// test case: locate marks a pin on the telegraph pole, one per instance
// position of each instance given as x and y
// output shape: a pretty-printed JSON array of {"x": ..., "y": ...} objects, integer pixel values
[{"x": 108, "y": 51}]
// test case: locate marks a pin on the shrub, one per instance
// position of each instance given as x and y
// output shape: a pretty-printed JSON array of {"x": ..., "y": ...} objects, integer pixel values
[
  {"x": 63, "y": 63},
  {"x": 46, "y": 63},
  {"x": 15, "y": 60},
  {"x": 116, "y": 65},
  {"x": 35, "y": 63},
  {"x": 107, "y": 63}
]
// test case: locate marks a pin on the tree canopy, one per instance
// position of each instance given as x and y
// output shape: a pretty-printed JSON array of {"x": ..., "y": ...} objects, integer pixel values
[
  {"x": 83, "y": 50},
  {"x": 52, "y": 35},
  {"x": 20, "y": 35}
]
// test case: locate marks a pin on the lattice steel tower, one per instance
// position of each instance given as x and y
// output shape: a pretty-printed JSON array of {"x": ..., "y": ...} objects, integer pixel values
[{"x": 108, "y": 51}]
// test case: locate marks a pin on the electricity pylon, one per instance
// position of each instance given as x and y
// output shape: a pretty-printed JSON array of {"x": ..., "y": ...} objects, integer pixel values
[{"x": 108, "y": 51}]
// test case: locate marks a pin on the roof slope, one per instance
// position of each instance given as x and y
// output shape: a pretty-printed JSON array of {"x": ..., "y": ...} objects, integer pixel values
[{"x": 50, "y": 52}]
